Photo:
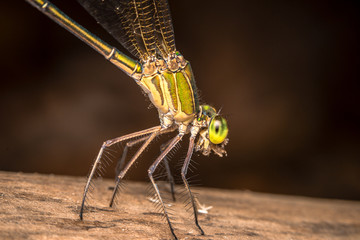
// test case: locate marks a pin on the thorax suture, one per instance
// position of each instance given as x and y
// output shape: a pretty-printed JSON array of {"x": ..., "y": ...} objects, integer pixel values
[{"x": 170, "y": 86}]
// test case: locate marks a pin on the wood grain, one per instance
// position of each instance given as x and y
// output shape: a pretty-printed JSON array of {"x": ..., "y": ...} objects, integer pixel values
[{"x": 36, "y": 206}]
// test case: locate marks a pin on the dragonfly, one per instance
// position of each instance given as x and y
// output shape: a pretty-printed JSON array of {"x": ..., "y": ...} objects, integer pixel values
[{"x": 144, "y": 28}]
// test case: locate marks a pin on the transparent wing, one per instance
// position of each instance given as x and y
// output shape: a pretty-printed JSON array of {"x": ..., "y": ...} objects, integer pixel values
[
  {"x": 164, "y": 26},
  {"x": 144, "y": 27}
]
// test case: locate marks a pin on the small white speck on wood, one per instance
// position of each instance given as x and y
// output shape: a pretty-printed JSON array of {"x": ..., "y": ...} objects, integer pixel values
[{"x": 36, "y": 206}]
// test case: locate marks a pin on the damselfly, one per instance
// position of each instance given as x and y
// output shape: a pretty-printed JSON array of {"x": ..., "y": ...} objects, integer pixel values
[{"x": 145, "y": 29}]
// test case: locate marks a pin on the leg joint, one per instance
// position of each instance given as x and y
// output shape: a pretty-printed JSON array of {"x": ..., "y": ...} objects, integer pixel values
[{"x": 151, "y": 171}]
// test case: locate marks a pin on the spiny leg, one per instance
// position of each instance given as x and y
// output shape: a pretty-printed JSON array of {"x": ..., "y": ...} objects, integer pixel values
[
  {"x": 105, "y": 145},
  {"x": 168, "y": 171},
  {"x": 132, "y": 143},
  {"x": 133, "y": 159},
  {"x": 148, "y": 139},
  {"x": 183, "y": 175},
  {"x": 151, "y": 171},
  {"x": 121, "y": 162}
]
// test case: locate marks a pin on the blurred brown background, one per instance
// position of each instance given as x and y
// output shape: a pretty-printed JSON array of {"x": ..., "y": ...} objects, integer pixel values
[{"x": 285, "y": 74}]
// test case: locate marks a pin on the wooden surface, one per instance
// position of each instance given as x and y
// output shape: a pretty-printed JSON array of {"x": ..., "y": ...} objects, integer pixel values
[{"x": 35, "y": 206}]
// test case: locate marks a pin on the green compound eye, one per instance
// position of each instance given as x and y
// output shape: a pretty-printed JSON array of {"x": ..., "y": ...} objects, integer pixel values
[{"x": 218, "y": 130}]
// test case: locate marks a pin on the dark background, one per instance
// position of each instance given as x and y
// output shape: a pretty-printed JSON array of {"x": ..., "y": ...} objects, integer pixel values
[{"x": 285, "y": 74}]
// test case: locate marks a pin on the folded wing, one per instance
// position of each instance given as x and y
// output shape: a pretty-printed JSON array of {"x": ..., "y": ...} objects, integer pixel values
[{"x": 143, "y": 27}]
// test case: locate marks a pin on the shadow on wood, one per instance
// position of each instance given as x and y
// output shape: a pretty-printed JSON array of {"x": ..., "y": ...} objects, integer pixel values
[{"x": 35, "y": 206}]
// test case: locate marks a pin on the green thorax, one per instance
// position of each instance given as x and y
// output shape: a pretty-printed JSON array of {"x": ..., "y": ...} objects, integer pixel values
[{"x": 170, "y": 85}]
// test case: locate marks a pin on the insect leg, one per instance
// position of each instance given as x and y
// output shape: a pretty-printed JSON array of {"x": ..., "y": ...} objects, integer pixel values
[
  {"x": 120, "y": 174},
  {"x": 183, "y": 175},
  {"x": 148, "y": 139},
  {"x": 105, "y": 145},
  {"x": 151, "y": 171},
  {"x": 121, "y": 164},
  {"x": 168, "y": 171}
]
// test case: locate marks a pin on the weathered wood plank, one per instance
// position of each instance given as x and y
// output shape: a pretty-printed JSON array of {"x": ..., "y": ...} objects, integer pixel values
[{"x": 35, "y": 206}]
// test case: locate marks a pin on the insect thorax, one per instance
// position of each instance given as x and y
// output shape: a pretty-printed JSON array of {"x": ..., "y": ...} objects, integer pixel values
[{"x": 170, "y": 85}]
